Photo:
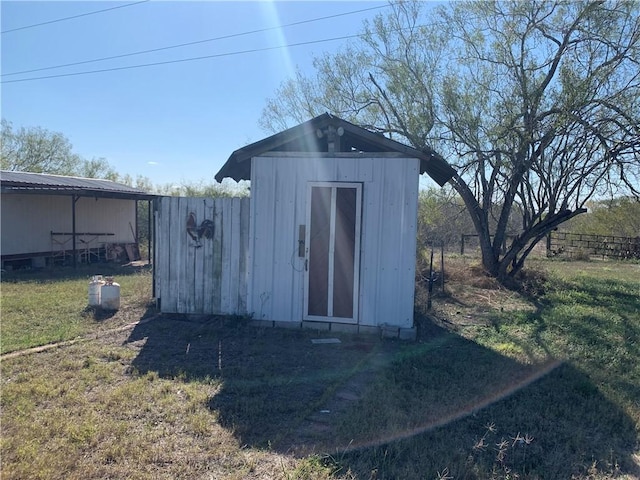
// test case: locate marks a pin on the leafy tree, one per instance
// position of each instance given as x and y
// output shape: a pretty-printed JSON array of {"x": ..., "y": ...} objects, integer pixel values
[
  {"x": 619, "y": 217},
  {"x": 37, "y": 150},
  {"x": 442, "y": 217},
  {"x": 98, "y": 168},
  {"x": 535, "y": 103},
  {"x": 204, "y": 189}
]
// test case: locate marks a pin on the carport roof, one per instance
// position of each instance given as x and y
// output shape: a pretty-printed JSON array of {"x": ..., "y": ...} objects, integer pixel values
[
  {"x": 44, "y": 183},
  {"x": 311, "y": 136}
]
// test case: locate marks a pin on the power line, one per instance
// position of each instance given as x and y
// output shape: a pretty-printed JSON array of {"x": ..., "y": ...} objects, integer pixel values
[
  {"x": 224, "y": 37},
  {"x": 190, "y": 59},
  {"x": 72, "y": 17}
]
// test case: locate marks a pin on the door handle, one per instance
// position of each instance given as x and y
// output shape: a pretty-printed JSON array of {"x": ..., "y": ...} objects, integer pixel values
[
  {"x": 306, "y": 265},
  {"x": 301, "y": 237}
]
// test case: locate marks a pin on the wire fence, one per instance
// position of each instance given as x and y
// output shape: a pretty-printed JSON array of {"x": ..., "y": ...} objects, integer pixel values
[{"x": 584, "y": 246}]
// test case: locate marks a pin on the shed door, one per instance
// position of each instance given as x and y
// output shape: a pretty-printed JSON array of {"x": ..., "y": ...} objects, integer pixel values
[{"x": 332, "y": 242}]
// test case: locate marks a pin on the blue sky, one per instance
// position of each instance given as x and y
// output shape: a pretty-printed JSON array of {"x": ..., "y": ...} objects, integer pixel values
[{"x": 172, "y": 123}]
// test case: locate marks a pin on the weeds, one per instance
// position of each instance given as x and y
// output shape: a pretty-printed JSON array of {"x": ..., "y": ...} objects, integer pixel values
[
  {"x": 508, "y": 455},
  {"x": 498, "y": 386}
]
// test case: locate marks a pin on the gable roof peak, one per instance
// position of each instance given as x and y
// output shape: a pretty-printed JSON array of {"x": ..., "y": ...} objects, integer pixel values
[{"x": 327, "y": 133}]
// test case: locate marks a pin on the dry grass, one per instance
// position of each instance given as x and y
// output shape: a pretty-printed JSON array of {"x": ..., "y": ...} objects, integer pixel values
[
  {"x": 88, "y": 411},
  {"x": 499, "y": 385}
]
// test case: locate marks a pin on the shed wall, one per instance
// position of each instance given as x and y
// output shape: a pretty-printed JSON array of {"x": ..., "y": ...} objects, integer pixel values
[
  {"x": 388, "y": 242},
  {"x": 202, "y": 275},
  {"x": 28, "y": 220}
]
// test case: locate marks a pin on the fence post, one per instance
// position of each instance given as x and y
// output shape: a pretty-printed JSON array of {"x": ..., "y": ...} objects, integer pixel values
[
  {"x": 462, "y": 244},
  {"x": 442, "y": 265},
  {"x": 430, "y": 290}
]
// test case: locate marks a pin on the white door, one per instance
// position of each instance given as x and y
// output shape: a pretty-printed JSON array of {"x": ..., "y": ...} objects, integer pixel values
[{"x": 332, "y": 262}]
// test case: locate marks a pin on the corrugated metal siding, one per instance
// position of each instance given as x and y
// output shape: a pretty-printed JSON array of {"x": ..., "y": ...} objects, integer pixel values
[
  {"x": 28, "y": 220},
  {"x": 28, "y": 180},
  {"x": 387, "y": 273},
  {"x": 204, "y": 276}
]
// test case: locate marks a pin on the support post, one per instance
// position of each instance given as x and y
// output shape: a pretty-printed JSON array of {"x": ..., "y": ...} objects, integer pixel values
[
  {"x": 74, "y": 199},
  {"x": 149, "y": 213}
]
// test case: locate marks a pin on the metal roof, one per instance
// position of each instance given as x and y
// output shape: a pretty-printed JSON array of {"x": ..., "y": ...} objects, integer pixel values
[
  {"x": 311, "y": 136},
  {"x": 27, "y": 182}
]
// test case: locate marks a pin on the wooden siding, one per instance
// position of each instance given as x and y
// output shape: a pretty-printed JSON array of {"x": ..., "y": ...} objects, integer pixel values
[
  {"x": 202, "y": 275},
  {"x": 28, "y": 220},
  {"x": 388, "y": 242}
]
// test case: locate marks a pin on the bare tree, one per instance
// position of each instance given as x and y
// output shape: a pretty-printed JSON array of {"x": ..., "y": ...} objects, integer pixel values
[{"x": 535, "y": 103}]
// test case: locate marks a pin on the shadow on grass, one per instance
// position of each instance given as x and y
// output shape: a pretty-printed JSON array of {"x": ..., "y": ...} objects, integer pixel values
[
  {"x": 98, "y": 314},
  {"x": 407, "y": 410},
  {"x": 475, "y": 414},
  {"x": 271, "y": 379},
  {"x": 82, "y": 271}
]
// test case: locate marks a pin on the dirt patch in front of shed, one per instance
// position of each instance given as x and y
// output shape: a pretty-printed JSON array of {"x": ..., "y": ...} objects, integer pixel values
[{"x": 277, "y": 389}]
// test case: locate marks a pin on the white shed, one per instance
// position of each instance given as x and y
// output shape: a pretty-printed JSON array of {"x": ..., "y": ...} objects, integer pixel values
[
  {"x": 54, "y": 218},
  {"x": 332, "y": 231}
]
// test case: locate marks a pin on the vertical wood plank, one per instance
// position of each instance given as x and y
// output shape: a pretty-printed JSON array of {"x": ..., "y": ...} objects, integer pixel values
[
  {"x": 167, "y": 224},
  {"x": 198, "y": 207},
  {"x": 279, "y": 239},
  {"x": 174, "y": 254},
  {"x": 225, "y": 284},
  {"x": 263, "y": 273},
  {"x": 189, "y": 252},
  {"x": 217, "y": 256},
  {"x": 234, "y": 265},
  {"x": 207, "y": 262},
  {"x": 300, "y": 218},
  {"x": 243, "y": 261},
  {"x": 181, "y": 250}
]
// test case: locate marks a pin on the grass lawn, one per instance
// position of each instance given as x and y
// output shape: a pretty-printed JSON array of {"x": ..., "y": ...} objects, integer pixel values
[
  {"x": 51, "y": 305},
  {"x": 499, "y": 385}
]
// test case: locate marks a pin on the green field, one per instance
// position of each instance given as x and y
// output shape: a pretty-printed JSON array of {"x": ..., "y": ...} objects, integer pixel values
[{"x": 540, "y": 384}]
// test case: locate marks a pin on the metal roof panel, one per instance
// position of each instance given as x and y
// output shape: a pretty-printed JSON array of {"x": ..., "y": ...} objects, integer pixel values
[{"x": 49, "y": 183}]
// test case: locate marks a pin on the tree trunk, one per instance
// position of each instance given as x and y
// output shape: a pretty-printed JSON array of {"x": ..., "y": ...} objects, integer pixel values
[
  {"x": 504, "y": 267},
  {"x": 481, "y": 223}
]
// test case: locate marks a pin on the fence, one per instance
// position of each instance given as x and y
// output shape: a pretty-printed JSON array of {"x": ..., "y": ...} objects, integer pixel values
[
  {"x": 580, "y": 245},
  {"x": 201, "y": 255},
  {"x": 470, "y": 242}
]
